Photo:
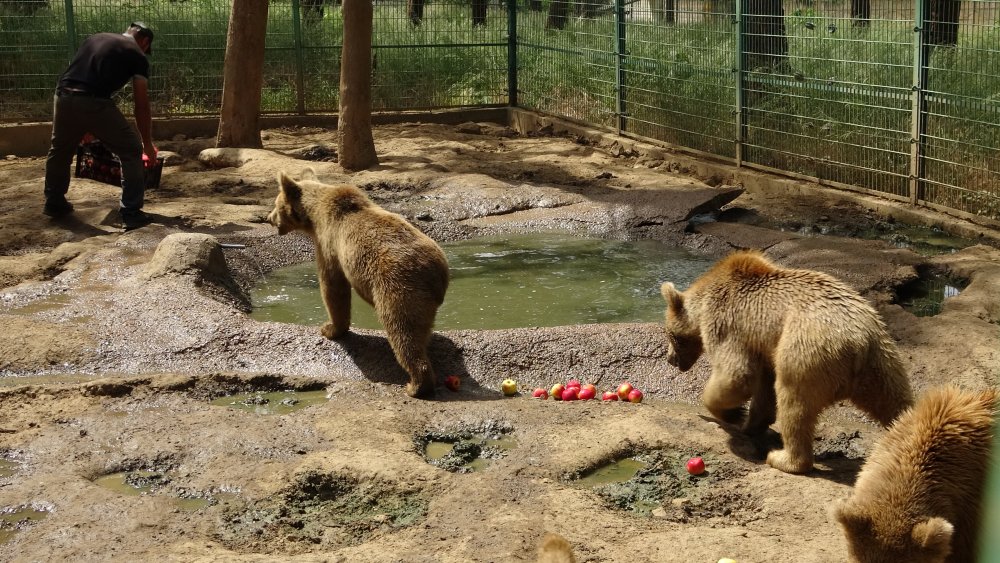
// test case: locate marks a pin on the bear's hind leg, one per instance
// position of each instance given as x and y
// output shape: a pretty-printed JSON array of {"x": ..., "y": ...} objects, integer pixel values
[
  {"x": 798, "y": 411},
  {"x": 409, "y": 340}
]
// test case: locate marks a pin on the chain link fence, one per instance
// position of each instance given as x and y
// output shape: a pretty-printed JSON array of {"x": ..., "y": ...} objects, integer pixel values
[{"x": 899, "y": 98}]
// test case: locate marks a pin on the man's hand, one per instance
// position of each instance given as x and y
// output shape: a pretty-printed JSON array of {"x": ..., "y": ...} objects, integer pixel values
[{"x": 149, "y": 155}]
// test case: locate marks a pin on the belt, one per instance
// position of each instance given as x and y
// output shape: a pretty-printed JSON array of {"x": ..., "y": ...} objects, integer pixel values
[{"x": 81, "y": 93}]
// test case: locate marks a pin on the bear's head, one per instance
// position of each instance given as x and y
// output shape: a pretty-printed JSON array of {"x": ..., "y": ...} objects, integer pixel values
[
  {"x": 684, "y": 345},
  {"x": 289, "y": 214},
  {"x": 893, "y": 538}
]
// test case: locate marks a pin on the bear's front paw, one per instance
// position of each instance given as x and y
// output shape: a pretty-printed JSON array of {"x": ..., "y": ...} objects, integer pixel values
[
  {"x": 782, "y": 461},
  {"x": 420, "y": 391},
  {"x": 331, "y": 332}
]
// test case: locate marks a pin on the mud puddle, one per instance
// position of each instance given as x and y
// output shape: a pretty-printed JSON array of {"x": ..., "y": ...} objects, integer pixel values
[
  {"x": 272, "y": 403},
  {"x": 17, "y": 519}
]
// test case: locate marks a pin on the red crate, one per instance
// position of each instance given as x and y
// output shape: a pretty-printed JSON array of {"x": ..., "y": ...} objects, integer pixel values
[{"x": 95, "y": 161}]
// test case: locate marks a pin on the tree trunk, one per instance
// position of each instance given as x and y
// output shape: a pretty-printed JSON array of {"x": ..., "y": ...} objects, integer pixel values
[
  {"x": 415, "y": 11},
  {"x": 941, "y": 21},
  {"x": 558, "y": 13},
  {"x": 479, "y": 8},
  {"x": 243, "y": 75},
  {"x": 357, "y": 146},
  {"x": 766, "y": 43},
  {"x": 861, "y": 13}
]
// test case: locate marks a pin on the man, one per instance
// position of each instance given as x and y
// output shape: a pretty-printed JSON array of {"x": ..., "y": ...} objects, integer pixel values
[{"x": 104, "y": 63}]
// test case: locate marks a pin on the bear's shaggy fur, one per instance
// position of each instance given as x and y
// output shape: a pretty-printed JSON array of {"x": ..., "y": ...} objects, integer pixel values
[
  {"x": 391, "y": 264},
  {"x": 792, "y": 341},
  {"x": 918, "y": 496},
  {"x": 555, "y": 549}
]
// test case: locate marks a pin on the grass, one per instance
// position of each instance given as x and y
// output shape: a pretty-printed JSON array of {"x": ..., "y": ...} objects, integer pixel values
[{"x": 839, "y": 109}]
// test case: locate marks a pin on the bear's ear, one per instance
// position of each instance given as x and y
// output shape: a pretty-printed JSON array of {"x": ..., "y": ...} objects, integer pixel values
[
  {"x": 674, "y": 298},
  {"x": 934, "y": 536},
  {"x": 841, "y": 512},
  {"x": 289, "y": 187},
  {"x": 309, "y": 174}
]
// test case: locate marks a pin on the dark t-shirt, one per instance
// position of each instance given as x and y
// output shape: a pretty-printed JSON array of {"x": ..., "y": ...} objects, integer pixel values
[{"x": 104, "y": 63}]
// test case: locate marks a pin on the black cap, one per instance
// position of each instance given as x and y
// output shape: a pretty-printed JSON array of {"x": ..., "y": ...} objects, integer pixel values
[{"x": 143, "y": 31}]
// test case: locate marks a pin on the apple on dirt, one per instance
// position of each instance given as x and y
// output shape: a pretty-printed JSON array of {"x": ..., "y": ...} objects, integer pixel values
[
  {"x": 540, "y": 393},
  {"x": 573, "y": 383},
  {"x": 609, "y": 396},
  {"x": 695, "y": 466},
  {"x": 452, "y": 382},
  {"x": 509, "y": 387},
  {"x": 635, "y": 396},
  {"x": 586, "y": 393},
  {"x": 623, "y": 390},
  {"x": 556, "y": 391},
  {"x": 570, "y": 393}
]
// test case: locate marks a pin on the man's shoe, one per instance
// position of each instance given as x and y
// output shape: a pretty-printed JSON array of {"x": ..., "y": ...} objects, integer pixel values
[
  {"x": 135, "y": 219},
  {"x": 57, "y": 207}
]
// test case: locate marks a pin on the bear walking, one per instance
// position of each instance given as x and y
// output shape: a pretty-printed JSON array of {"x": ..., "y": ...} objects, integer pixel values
[
  {"x": 918, "y": 497},
  {"x": 793, "y": 342},
  {"x": 393, "y": 266}
]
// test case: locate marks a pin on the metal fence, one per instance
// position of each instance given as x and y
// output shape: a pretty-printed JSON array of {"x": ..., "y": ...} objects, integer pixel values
[{"x": 901, "y": 98}]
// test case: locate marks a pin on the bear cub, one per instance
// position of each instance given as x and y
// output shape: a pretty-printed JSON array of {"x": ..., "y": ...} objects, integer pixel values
[
  {"x": 918, "y": 497},
  {"x": 793, "y": 342},
  {"x": 392, "y": 265}
]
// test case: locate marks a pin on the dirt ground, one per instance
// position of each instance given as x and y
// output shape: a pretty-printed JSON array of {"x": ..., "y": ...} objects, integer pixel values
[{"x": 111, "y": 354}]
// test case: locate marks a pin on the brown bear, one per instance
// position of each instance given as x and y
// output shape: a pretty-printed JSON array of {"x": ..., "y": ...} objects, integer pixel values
[
  {"x": 792, "y": 341},
  {"x": 918, "y": 496},
  {"x": 393, "y": 266},
  {"x": 555, "y": 549}
]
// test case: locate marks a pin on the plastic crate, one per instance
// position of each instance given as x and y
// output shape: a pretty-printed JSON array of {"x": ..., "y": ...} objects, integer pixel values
[{"x": 95, "y": 161}]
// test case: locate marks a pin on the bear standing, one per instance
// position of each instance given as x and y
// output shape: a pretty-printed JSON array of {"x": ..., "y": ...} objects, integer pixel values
[
  {"x": 792, "y": 341},
  {"x": 393, "y": 266},
  {"x": 918, "y": 497}
]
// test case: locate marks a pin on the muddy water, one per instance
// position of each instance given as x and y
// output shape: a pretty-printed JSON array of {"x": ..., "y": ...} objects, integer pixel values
[
  {"x": 925, "y": 296},
  {"x": 277, "y": 402},
  {"x": 516, "y": 281},
  {"x": 12, "y": 520},
  {"x": 615, "y": 472}
]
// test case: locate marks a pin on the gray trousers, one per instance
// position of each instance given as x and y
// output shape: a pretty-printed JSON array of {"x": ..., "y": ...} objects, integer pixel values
[{"x": 74, "y": 116}]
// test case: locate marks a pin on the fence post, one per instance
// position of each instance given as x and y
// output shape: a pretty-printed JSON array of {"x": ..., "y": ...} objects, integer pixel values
[
  {"x": 918, "y": 117},
  {"x": 300, "y": 89},
  {"x": 620, "y": 62},
  {"x": 738, "y": 71},
  {"x": 70, "y": 28},
  {"x": 512, "y": 53}
]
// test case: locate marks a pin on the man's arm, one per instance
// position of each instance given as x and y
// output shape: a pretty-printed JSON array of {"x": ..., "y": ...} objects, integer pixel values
[{"x": 143, "y": 115}]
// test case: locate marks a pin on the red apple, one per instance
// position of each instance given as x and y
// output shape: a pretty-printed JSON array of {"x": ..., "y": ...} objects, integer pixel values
[
  {"x": 587, "y": 393},
  {"x": 590, "y": 386},
  {"x": 635, "y": 396},
  {"x": 540, "y": 393},
  {"x": 573, "y": 383},
  {"x": 696, "y": 466},
  {"x": 452, "y": 382},
  {"x": 570, "y": 393},
  {"x": 609, "y": 396},
  {"x": 557, "y": 391},
  {"x": 623, "y": 390}
]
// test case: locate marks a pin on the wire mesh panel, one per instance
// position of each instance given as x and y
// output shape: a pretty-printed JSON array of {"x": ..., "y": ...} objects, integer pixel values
[
  {"x": 961, "y": 128},
  {"x": 567, "y": 62},
  {"x": 451, "y": 54},
  {"x": 439, "y": 54},
  {"x": 899, "y": 97},
  {"x": 679, "y": 79},
  {"x": 827, "y": 90}
]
